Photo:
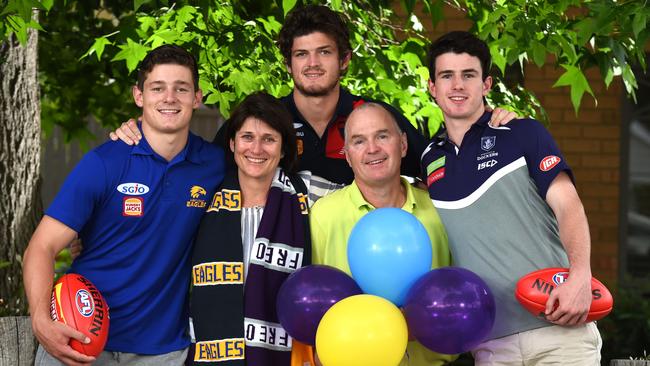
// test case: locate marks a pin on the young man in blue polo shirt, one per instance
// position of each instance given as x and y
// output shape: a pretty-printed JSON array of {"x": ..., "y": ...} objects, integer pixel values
[
  {"x": 507, "y": 200},
  {"x": 136, "y": 208}
]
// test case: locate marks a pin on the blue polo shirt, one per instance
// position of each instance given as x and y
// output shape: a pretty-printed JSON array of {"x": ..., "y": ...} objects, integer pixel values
[
  {"x": 490, "y": 194},
  {"x": 137, "y": 214}
]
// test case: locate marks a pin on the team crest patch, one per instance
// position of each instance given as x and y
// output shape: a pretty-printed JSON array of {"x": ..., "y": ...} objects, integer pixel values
[
  {"x": 133, "y": 206},
  {"x": 549, "y": 163},
  {"x": 488, "y": 142},
  {"x": 197, "y": 197}
]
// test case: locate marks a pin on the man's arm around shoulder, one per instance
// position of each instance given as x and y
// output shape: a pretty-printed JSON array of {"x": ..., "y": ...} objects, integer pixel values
[{"x": 50, "y": 237}]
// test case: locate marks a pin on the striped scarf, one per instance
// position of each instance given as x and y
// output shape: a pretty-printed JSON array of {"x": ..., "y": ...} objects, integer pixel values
[{"x": 232, "y": 329}]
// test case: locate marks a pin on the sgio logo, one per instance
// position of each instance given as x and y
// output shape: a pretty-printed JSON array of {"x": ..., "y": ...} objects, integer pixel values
[
  {"x": 132, "y": 189},
  {"x": 85, "y": 303},
  {"x": 487, "y": 164}
]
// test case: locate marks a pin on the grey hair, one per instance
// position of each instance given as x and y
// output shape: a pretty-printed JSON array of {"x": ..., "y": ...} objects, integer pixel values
[{"x": 379, "y": 106}]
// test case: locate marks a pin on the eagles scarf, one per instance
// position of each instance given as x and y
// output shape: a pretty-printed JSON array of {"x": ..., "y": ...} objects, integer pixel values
[{"x": 236, "y": 324}]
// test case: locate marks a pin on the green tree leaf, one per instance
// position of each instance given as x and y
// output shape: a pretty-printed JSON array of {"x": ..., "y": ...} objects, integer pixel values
[
  {"x": 18, "y": 27},
  {"x": 287, "y": 5},
  {"x": 132, "y": 53},
  {"x": 138, "y": 3},
  {"x": 497, "y": 58},
  {"x": 97, "y": 48},
  {"x": 47, "y": 4},
  {"x": 639, "y": 23},
  {"x": 539, "y": 53},
  {"x": 336, "y": 5},
  {"x": 576, "y": 80}
]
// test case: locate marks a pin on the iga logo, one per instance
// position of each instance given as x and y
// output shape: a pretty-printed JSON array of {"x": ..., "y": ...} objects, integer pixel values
[
  {"x": 85, "y": 303},
  {"x": 133, "y": 189},
  {"x": 560, "y": 277},
  {"x": 549, "y": 163}
]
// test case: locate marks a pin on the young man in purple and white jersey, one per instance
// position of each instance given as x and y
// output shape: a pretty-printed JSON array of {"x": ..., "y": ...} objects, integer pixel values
[{"x": 508, "y": 202}]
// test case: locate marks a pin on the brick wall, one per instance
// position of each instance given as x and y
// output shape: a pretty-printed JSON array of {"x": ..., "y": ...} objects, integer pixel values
[{"x": 590, "y": 143}]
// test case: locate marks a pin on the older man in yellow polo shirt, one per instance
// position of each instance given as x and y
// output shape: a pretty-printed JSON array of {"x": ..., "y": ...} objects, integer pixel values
[{"x": 374, "y": 147}]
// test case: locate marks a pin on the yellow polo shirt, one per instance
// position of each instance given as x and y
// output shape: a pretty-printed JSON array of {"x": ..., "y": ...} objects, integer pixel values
[{"x": 331, "y": 221}]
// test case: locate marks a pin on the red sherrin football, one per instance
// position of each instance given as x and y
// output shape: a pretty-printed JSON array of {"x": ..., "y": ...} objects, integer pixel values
[
  {"x": 533, "y": 289},
  {"x": 77, "y": 303}
]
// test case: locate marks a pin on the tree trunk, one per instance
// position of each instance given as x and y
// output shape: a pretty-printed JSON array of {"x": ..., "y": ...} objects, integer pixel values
[
  {"x": 17, "y": 342},
  {"x": 20, "y": 149}
]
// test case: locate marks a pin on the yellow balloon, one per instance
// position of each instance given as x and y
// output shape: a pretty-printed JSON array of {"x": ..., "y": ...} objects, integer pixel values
[{"x": 362, "y": 330}]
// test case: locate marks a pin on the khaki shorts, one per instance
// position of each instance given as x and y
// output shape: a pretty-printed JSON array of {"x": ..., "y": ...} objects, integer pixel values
[{"x": 554, "y": 345}]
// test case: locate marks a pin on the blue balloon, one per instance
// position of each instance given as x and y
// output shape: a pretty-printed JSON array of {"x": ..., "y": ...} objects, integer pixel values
[
  {"x": 388, "y": 250},
  {"x": 450, "y": 310}
]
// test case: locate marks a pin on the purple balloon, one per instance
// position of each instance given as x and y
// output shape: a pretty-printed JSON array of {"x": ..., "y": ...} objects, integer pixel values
[
  {"x": 307, "y": 294},
  {"x": 450, "y": 310}
]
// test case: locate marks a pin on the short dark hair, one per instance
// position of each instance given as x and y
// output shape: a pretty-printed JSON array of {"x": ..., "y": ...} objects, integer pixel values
[
  {"x": 460, "y": 42},
  {"x": 304, "y": 20},
  {"x": 167, "y": 54},
  {"x": 265, "y": 107}
]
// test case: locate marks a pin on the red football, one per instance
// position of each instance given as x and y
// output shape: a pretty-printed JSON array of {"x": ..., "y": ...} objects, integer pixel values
[
  {"x": 533, "y": 290},
  {"x": 77, "y": 303}
]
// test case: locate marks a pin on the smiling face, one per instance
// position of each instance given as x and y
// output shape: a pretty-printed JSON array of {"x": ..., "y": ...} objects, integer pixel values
[
  {"x": 458, "y": 87},
  {"x": 257, "y": 149},
  {"x": 315, "y": 64},
  {"x": 374, "y": 146},
  {"x": 167, "y": 99}
]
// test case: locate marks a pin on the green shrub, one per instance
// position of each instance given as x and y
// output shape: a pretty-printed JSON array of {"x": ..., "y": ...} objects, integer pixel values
[{"x": 626, "y": 331}]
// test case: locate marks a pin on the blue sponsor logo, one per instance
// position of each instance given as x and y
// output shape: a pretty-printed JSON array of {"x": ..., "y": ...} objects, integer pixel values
[{"x": 133, "y": 189}]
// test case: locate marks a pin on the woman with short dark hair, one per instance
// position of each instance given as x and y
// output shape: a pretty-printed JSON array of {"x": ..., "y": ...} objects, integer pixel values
[{"x": 254, "y": 234}]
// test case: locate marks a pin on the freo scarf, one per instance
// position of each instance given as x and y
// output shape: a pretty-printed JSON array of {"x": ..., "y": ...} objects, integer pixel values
[{"x": 236, "y": 324}]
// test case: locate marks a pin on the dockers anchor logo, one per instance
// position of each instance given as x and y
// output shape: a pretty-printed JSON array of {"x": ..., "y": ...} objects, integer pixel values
[{"x": 488, "y": 142}]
